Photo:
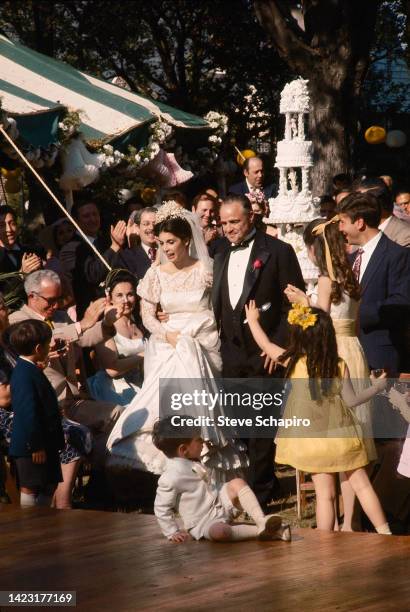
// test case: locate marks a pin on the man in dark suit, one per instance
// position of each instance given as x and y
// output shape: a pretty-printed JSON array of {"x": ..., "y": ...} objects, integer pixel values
[
  {"x": 87, "y": 269},
  {"x": 252, "y": 266},
  {"x": 13, "y": 256},
  {"x": 138, "y": 258},
  {"x": 394, "y": 228},
  {"x": 383, "y": 270},
  {"x": 254, "y": 173}
]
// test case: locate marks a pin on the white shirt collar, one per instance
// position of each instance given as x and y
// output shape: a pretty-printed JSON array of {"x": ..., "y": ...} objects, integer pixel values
[
  {"x": 26, "y": 359},
  {"x": 146, "y": 247},
  {"x": 372, "y": 243},
  {"x": 384, "y": 224}
]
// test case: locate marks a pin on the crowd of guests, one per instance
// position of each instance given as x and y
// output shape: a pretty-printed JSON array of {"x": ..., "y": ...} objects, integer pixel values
[{"x": 77, "y": 348}]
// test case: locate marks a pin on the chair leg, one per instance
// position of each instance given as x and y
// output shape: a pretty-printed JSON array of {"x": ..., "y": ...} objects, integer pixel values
[{"x": 298, "y": 494}]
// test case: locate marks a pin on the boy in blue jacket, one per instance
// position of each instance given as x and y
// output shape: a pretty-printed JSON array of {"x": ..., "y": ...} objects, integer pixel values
[{"x": 37, "y": 435}]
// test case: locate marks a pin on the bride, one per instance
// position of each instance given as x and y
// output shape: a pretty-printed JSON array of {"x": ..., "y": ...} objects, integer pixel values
[{"x": 186, "y": 346}]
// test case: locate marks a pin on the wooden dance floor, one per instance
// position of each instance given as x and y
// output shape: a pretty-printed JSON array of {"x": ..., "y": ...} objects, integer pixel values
[{"x": 119, "y": 562}]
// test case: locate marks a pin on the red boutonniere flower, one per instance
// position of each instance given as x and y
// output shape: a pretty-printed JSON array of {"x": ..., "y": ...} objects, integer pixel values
[{"x": 257, "y": 264}]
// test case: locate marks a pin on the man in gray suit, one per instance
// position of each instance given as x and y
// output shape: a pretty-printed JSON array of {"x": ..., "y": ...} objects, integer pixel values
[
  {"x": 396, "y": 229},
  {"x": 43, "y": 289}
]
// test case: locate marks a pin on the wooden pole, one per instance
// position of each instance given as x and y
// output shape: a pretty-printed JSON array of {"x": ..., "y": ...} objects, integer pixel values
[{"x": 56, "y": 200}]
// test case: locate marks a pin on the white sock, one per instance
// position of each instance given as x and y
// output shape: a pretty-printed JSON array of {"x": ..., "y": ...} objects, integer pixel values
[
  {"x": 243, "y": 532},
  {"x": 384, "y": 529},
  {"x": 250, "y": 504},
  {"x": 27, "y": 499}
]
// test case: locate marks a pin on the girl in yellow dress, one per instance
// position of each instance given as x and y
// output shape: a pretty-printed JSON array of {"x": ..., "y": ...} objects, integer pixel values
[
  {"x": 322, "y": 392},
  {"x": 338, "y": 293}
]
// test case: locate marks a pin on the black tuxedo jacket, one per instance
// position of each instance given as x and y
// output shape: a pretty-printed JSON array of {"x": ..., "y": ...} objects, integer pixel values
[
  {"x": 384, "y": 315},
  {"x": 278, "y": 267},
  {"x": 242, "y": 188},
  {"x": 89, "y": 272},
  {"x": 135, "y": 260}
]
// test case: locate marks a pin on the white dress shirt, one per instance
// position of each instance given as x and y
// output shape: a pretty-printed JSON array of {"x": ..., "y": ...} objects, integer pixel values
[
  {"x": 238, "y": 263},
  {"x": 384, "y": 224},
  {"x": 368, "y": 250}
]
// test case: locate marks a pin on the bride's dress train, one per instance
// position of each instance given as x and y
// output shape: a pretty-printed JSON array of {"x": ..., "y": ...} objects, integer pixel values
[{"x": 185, "y": 296}]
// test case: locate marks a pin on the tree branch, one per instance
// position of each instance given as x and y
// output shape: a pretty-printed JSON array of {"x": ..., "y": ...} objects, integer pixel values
[{"x": 289, "y": 44}]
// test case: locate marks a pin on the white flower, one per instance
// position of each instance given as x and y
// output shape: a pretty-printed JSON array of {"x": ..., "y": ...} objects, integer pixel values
[
  {"x": 108, "y": 149},
  {"x": 214, "y": 139}
]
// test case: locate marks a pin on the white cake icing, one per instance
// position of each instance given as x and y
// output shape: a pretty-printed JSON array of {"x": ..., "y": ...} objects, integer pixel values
[
  {"x": 291, "y": 208},
  {"x": 294, "y": 206},
  {"x": 295, "y": 97},
  {"x": 294, "y": 154}
]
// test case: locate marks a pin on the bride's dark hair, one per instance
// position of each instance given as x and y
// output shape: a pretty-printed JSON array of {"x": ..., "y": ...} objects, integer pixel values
[{"x": 174, "y": 225}]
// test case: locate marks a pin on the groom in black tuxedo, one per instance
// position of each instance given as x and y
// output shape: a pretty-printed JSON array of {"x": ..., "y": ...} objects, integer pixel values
[{"x": 251, "y": 266}]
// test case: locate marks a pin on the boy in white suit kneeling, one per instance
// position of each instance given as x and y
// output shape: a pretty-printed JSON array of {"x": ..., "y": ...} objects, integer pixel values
[{"x": 183, "y": 488}]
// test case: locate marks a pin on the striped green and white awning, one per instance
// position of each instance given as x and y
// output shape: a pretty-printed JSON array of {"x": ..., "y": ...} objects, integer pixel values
[{"x": 35, "y": 89}]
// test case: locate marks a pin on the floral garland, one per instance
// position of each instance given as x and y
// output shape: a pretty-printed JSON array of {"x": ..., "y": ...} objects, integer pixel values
[
  {"x": 160, "y": 133},
  {"x": 219, "y": 123},
  {"x": 69, "y": 126}
]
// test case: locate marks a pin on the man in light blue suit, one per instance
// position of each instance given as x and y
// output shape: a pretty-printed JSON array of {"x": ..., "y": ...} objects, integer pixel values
[{"x": 383, "y": 270}]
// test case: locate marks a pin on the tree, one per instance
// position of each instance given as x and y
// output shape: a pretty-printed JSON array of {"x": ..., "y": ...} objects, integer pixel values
[
  {"x": 331, "y": 47},
  {"x": 197, "y": 56}
]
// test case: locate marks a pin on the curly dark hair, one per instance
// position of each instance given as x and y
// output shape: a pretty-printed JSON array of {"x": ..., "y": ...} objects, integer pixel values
[
  {"x": 174, "y": 225},
  {"x": 346, "y": 280},
  {"x": 318, "y": 344}
]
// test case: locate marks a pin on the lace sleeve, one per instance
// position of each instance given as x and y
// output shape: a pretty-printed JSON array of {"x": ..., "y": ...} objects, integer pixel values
[
  {"x": 149, "y": 291},
  {"x": 207, "y": 275}
]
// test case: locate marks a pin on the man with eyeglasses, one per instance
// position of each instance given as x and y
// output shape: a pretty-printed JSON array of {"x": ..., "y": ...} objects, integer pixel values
[
  {"x": 139, "y": 257},
  {"x": 43, "y": 289}
]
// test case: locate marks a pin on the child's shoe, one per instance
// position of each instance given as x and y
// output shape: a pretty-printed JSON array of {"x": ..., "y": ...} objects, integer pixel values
[{"x": 273, "y": 522}]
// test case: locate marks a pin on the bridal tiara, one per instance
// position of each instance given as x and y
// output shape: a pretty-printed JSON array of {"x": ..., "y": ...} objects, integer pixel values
[{"x": 170, "y": 210}]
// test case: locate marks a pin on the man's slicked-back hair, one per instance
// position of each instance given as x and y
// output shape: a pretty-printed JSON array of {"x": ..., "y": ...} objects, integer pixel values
[{"x": 240, "y": 199}]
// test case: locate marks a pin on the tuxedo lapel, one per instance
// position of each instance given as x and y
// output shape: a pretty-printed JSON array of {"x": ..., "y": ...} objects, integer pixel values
[
  {"x": 374, "y": 263},
  {"x": 260, "y": 254}
]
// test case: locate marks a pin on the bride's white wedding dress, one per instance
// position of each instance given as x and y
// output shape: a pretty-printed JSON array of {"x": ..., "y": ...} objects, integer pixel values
[{"x": 185, "y": 296}]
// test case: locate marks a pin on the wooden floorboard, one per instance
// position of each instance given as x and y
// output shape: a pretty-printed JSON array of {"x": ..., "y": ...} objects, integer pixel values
[{"x": 120, "y": 562}]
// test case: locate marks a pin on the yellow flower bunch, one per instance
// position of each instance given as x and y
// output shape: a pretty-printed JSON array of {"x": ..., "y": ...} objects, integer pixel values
[{"x": 302, "y": 315}]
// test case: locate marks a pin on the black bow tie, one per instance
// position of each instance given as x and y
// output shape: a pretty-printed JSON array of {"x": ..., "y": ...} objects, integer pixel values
[{"x": 242, "y": 245}]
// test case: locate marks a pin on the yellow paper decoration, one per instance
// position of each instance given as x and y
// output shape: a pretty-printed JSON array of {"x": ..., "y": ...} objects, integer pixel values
[
  {"x": 375, "y": 134},
  {"x": 245, "y": 154}
]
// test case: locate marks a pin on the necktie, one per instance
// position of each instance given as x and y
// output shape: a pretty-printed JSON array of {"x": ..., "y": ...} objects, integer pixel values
[
  {"x": 49, "y": 323},
  {"x": 152, "y": 252},
  {"x": 357, "y": 263}
]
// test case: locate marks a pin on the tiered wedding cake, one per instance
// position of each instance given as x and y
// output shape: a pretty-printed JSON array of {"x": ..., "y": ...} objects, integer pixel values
[{"x": 294, "y": 207}]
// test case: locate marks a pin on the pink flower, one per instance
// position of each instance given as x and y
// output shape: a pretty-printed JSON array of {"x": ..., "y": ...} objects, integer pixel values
[{"x": 257, "y": 264}]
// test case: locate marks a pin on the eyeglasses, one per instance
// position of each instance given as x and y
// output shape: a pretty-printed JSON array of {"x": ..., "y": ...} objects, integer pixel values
[{"x": 50, "y": 301}]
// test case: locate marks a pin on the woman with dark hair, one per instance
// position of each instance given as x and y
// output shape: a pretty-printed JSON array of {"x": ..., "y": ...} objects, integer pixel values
[
  {"x": 338, "y": 293},
  {"x": 120, "y": 359},
  {"x": 185, "y": 346}
]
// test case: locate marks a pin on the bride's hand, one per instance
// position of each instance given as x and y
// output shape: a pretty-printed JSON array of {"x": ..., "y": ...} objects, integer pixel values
[
  {"x": 296, "y": 296},
  {"x": 162, "y": 316},
  {"x": 172, "y": 338}
]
